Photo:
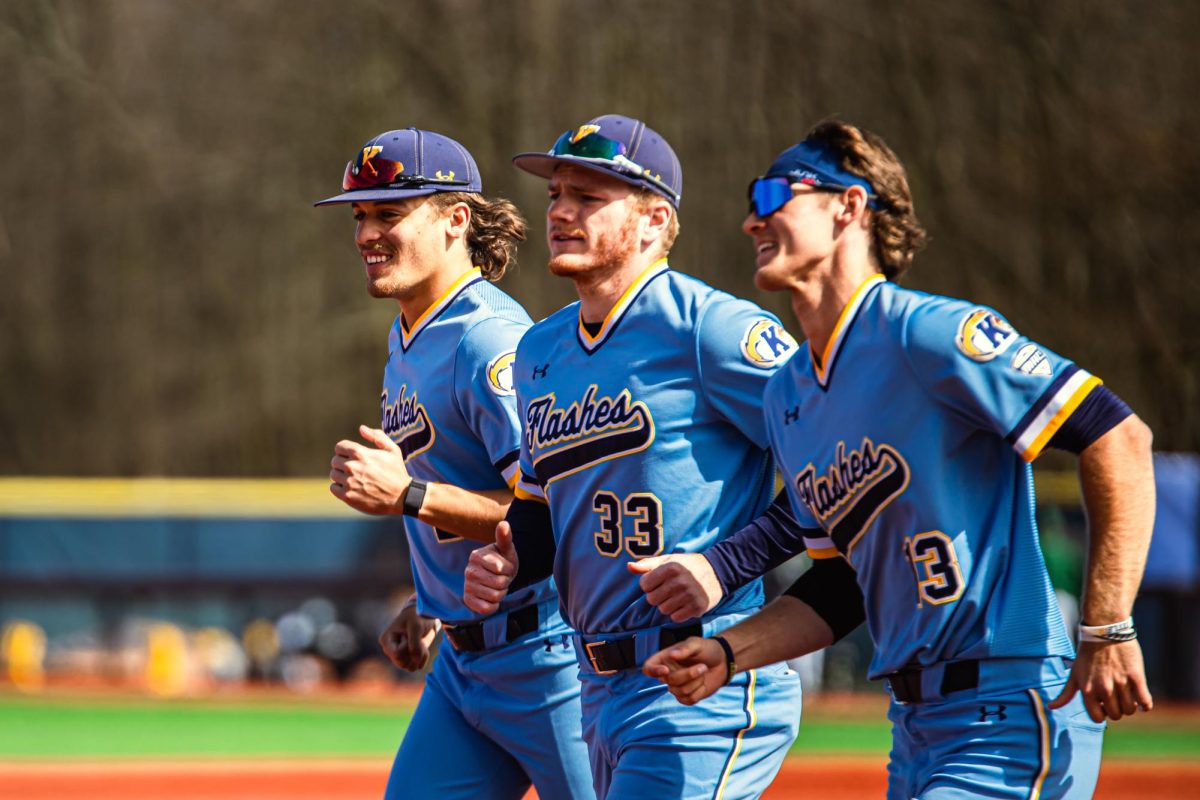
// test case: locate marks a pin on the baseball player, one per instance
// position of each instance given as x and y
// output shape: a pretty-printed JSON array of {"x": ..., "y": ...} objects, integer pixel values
[
  {"x": 643, "y": 434},
  {"x": 501, "y": 707},
  {"x": 905, "y": 432}
]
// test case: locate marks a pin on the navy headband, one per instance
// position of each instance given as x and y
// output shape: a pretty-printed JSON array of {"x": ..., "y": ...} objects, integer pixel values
[{"x": 812, "y": 164}]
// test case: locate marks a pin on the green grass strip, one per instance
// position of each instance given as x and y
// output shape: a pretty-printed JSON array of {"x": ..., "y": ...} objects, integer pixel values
[
  {"x": 53, "y": 728},
  {"x": 57, "y": 729}
]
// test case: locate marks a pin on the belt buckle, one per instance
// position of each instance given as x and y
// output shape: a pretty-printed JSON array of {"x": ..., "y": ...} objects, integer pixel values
[{"x": 592, "y": 658}]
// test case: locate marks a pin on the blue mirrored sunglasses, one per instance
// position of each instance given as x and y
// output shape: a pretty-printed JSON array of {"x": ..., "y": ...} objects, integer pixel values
[
  {"x": 768, "y": 195},
  {"x": 610, "y": 152}
]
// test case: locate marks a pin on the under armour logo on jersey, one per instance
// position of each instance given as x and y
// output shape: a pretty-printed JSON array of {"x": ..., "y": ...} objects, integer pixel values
[
  {"x": 999, "y": 712},
  {"x": 540, "y": 372},
  {"x": 791, "y": 415}
]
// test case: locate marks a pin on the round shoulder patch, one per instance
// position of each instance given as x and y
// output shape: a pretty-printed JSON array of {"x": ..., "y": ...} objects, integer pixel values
[
  {"x": 766, "y": 344},
  {"x": 983, "y": 335},
  {"x": 500, "y": 373}
]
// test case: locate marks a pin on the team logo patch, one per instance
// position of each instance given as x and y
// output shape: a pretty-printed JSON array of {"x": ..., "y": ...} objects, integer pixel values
[
  {"x": 1032, "y": 361},
  {"x": 765, "y": 344},
  {"x": 983, "y": 335},
  {"x": 500, "y": 373}
]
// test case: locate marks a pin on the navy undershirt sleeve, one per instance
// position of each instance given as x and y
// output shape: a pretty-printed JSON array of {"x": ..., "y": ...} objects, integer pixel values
[
  {"x": 1099, "y": 413},
  {"x": 533, "y": 538},
  {"x": 830, "y": 587},
  {"x": 759, "y": 547}
]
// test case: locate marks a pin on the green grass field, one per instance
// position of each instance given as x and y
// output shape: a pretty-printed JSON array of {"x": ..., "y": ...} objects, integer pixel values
[{"x": 63, "y": 727}]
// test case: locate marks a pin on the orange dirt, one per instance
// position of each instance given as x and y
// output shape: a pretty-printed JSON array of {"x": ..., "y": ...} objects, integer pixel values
[{"x": 834, "y": 778}]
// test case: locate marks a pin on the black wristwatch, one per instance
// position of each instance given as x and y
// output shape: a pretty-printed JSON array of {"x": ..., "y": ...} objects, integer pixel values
[{"x": 414, "y": 497}]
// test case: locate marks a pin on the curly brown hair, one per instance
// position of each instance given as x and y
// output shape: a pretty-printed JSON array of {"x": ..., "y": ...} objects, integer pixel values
[
  {"x": 495, "y": 229},
  {"x": 896, "y": 231}
]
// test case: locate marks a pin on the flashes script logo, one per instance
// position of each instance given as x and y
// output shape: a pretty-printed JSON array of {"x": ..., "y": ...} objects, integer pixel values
[
  {"x": 564, "y": 441},
  {"x": 407, "y": 423},
  {"x": 849, "y": 495}
]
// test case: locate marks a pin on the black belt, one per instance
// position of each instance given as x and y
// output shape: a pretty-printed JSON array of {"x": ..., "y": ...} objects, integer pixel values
[
  {"x": 613, "y": 655},
  {"x": 469, "y": 638},
  {"x": 957, "y": 676}
]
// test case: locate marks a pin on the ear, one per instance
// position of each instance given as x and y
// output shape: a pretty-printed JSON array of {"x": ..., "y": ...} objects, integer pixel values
[
  {"x": 657, "y": 217},
  {"x": 854, "y": 205},
  {"x": 458, "y": 220}
]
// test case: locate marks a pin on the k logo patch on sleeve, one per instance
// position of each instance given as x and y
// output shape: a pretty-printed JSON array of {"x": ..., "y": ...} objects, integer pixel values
[
  {"x": 766, "y": 344},
  {"x": 983, "y": 335},
  {"x": 500, "y": 373}
]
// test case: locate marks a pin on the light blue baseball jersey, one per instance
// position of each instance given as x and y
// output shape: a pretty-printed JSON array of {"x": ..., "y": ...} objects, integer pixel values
[
  {"x": 906, "y": 448},
  {"x": 647, "y": 437},
  {"x": 448, "y": 402}
]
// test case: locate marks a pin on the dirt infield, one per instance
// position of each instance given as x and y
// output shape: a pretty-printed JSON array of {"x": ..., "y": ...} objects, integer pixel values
[{"x": 834, "y": 778}]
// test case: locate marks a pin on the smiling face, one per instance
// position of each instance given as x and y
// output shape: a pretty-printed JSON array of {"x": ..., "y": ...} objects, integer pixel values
[
  {"x": 592, "y": 223},
  {"x": 401, "y": 243},
  {"x": 793, "y": 241}
]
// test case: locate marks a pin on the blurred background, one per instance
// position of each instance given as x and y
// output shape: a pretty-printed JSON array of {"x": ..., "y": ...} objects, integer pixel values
[{"x": 183, "y": 337}]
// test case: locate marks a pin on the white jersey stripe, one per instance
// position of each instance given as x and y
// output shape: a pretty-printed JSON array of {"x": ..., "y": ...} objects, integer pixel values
[{"x": 1031, "y": 441}]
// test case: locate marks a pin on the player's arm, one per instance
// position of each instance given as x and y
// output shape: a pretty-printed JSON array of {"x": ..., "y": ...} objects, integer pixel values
[
  {"x": 820, "y": 608},
  {"x": 1117, "y": 477},
  {"x": 687, "y": 585},
  {"x": 406, "y": 641},
  {"x": 522, "y": 554},
  {"x": 374, "y": 479}
]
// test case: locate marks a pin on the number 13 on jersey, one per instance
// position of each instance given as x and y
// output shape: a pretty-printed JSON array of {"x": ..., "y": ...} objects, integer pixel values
[{"x": 935, "y": 567}]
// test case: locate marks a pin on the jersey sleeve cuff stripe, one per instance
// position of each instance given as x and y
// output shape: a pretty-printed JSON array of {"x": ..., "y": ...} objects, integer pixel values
[
  {"x": 510, "y": 461},
  {"x": 820, "y": 547},
  {"x": 818, "y": 553},
  {"x": 510, "y": 468},
  {"x": 511, "y": 476},
  {"x": 524, "y": 491},
  {"x": 1034, "y": 438}
]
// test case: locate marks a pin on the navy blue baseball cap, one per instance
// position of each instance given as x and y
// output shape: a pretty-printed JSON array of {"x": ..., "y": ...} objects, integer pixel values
[
  {"x": 622, "y": 147},
  {"x": 407, "y": 163}
]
